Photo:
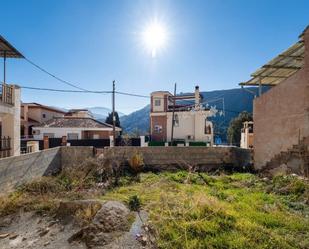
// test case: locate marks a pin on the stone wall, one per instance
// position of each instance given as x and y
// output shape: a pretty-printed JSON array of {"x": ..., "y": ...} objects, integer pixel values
[{"x": 173, "y": 158}]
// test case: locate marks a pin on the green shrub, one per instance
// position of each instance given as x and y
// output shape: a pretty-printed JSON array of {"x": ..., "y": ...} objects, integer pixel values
[
  {"x": 156, "y": 143},
  {"x": 197, "y": 144}
]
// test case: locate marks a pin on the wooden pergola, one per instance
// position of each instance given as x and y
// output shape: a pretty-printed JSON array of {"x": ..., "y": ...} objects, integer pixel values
[{"x": 7, "y": 51}]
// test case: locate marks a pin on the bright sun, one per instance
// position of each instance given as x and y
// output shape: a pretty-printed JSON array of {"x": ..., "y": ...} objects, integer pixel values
[{"x": 154, "y": 37}]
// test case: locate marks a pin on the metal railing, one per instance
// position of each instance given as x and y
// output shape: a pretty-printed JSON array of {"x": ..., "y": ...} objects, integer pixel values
[
  {"x": 7, "y": 94},
  {"x": 5, "y": 147}
]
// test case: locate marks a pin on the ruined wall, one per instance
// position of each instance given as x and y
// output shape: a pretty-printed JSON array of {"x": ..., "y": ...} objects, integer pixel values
[{"x": 281, "y": 115}]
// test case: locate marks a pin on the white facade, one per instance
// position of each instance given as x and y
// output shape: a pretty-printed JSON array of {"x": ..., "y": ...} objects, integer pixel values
[
  {"x": 190, "y": 126},
  {"x": 246, "y": 140},
  {"x": 69, "y": 132}
]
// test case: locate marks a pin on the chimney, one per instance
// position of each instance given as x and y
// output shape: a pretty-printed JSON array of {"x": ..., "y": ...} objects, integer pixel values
[{"x": 197, "y": 95}]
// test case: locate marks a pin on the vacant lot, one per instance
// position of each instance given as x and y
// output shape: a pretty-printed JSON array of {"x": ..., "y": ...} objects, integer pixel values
[
  {"x": 228, "y": 211},
  {"x": 191, "y": 210}
]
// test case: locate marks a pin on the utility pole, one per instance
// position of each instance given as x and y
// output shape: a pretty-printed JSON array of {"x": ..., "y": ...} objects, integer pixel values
[
  {"x": 4, "y": 67},
  {"x": 173, "y": 115},
  {"x": 114, "y": 120}
]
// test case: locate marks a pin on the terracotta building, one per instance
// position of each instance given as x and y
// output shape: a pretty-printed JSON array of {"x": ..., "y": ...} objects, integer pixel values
[
  {"x": 281, "y": 115},
  {"x": 190, "y": 117},
  {"x": 33, "y": 114}
]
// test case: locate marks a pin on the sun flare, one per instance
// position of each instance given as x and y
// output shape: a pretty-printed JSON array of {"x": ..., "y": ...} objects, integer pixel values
[{"x": 154, "y": 37}]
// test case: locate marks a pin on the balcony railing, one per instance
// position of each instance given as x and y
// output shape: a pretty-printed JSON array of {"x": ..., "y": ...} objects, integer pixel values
[
  {"x": 5, "y": 147},
  {"x": 6, "y": 94}
]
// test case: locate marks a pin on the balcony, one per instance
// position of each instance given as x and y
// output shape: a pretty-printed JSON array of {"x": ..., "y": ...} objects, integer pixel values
[{"x": 7, "y": 94}]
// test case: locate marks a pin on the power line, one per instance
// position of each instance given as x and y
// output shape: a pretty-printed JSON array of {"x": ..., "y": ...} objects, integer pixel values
[
  {"x": 63, "y": 90},
  {"x": 54, "y": 76}
]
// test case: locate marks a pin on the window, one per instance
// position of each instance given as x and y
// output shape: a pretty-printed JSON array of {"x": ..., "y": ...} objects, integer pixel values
[
  {"x": 44, "y": 115},
  {"x": 50, "y": 135},
  {"x": 72, "y": 136},
  {"x": 207, "y": 130},
  {"x": 176, "y": 120},
  {"x": 157, "y": 102},
  {"x": 96, "y": 136},
  {"x": 158, "y": 128}
]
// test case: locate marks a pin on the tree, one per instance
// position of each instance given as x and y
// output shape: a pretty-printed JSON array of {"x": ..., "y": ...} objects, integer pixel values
[
  {"x": 109, "y": 119},
  {"x": 234, "y": 130}
]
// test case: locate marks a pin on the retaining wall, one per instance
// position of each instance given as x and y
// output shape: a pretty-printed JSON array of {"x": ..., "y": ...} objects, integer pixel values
[
  {"x": 174, "y": 158},
  {"x": 17, "y": 170},
  {"x": 20, "y": 169}
]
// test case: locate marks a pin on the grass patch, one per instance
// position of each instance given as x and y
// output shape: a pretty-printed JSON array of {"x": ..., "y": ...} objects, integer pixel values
[{"x": 191, "y": 210}]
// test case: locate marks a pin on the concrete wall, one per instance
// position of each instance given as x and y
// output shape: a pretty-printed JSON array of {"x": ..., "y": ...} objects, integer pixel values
[
  {"x": 74, "y": 155},
  {"x": 173, "y": 158},
  {"x": 24, "y": 168},
  {"x": 20, "y": 169},
  {"x": 281, "y": 115}
]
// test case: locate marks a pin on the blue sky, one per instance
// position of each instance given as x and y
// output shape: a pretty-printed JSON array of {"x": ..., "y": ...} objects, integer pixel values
[{"x": 215, "y": 44}]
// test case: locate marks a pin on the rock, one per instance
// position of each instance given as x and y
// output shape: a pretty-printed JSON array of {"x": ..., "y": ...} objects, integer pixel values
[
  {"x": 52, "y": 223},
  {"x": 3, "y": 235},
  {"x": 46, "y": 243},
  {"x": 13, "y": 236},
  {"x": 69, "y": 209},
  {"x": 113, "y": 216},
  {"x": 43, "y": 231},
  {"x": 110, "y": 222},
  {"x": 279, "y": 171}
]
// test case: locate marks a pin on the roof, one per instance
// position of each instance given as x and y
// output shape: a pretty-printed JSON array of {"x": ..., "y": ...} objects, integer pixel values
[
  {"x": 281, "y": 67},
  {"x": 75, "y": 122},
  {"x": 8, "y": 50},
  {"x": 50, "y": 108}
]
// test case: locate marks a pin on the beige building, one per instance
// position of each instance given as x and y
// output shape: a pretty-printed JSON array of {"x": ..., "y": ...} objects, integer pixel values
[
  {"x": 34, "y": 114},
  {"x": 76, "y": 124},
  {"x": 190, "y": 118},
  {"x": 246, "y": 140},
  {"x": 9, "y": 106},
  {"x": 281, "y": 115}
]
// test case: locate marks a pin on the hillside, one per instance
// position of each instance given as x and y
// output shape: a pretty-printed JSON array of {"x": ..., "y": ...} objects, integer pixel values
[{"x": 235, "y": 101}]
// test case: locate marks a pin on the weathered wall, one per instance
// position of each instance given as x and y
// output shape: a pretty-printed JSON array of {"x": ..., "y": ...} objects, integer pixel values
[
  {"x": 281, "y": 115},
  {"x": 172, "y": 158},
  {"x": 75, "y": 155},
  {"x": 19, "y": 169}
]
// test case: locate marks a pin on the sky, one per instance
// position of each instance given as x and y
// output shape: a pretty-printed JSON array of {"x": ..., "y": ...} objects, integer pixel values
[{"x": 213, "y": 44}]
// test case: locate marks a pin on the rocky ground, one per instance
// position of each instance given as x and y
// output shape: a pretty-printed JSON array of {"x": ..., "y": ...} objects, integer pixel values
[{"x": 112, "y": 226}]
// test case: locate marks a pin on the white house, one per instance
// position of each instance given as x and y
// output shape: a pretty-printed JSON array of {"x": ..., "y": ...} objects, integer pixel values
[
  {"x": 190, "y": 118},
  {"x": 74, "y": 126}
]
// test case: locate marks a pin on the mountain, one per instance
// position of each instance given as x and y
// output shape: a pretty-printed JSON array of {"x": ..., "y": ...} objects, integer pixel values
[
  {"x": 231, "y": 102},
  {"x": 101, "y": 113},
  {"x": 136, "y": 122}
]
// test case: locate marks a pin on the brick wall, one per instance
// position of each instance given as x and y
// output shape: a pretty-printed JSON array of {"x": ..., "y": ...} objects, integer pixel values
[{"x": 158, "y": 120}]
